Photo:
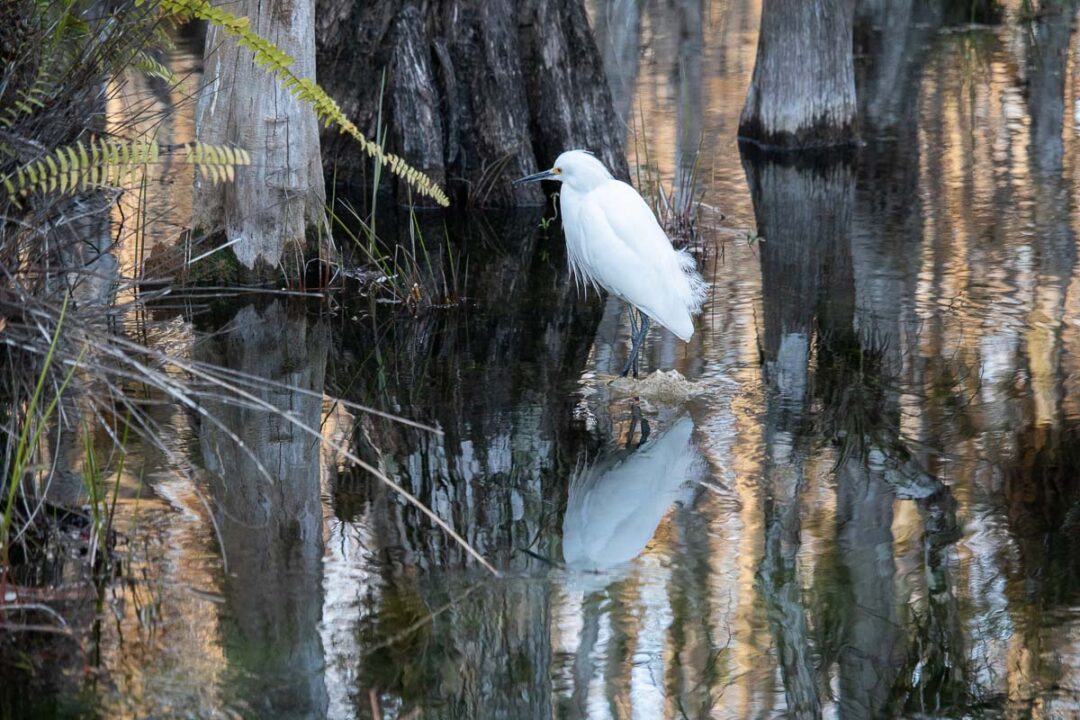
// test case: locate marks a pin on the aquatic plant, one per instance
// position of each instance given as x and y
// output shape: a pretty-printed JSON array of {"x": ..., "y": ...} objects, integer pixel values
[
  {"x": 67, "y": 370},
  {"x": 679, "y": 208},
  {"x": 403, "y": 270}
]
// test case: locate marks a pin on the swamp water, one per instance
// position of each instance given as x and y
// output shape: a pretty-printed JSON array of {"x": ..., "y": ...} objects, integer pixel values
[{"x": 868, "y": 506}]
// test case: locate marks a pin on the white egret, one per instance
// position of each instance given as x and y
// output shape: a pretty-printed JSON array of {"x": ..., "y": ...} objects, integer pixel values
[{"x": 615, "y": 242}]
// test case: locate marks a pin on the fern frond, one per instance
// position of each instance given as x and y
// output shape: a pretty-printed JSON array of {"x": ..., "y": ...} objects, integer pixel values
[
  {"x": 216, "y": 162},
  {"x": 28, "y": 101},
  {"x": 279, "y": 63},
  {"x": 152, "y": 68},
  {"x": 101, "y": 163}
]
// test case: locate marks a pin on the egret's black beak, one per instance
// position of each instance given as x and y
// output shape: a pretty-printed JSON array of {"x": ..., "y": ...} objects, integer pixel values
[{"x": 536, "y": 176}]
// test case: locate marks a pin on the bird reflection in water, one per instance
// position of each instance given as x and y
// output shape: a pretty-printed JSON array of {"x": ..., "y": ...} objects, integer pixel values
[{"x": 616, "y": 503}]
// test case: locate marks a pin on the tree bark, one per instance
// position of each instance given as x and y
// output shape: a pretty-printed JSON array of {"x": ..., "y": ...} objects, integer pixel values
[
  {"x": 274, "y": 201},
  {"x": 802, "y": 93},
  {"x": 569, "y": 98},
  {"x": 473, "y": 93}
]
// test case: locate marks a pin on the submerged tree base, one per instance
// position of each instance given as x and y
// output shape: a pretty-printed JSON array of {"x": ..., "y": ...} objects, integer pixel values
[
  {"x": 211, "y": 262},
  {"x": 802, "y": 93},
  {"x": 173, "y": 264},
  {"x": 820, "y": 134}
]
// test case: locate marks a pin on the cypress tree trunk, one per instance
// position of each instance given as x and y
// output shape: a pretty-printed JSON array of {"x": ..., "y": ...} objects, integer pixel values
[
  {"x": 802, "y": 93},
  {"x": 272, "y": 203},
  {"x": 474, "y": 93},
  {"x": 569, "y": 99}
]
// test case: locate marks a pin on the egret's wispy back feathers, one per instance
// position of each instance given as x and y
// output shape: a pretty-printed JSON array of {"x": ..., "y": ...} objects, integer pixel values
[
  {"x": 698, "y": 288},
  {"x": 615, "y": 240}
]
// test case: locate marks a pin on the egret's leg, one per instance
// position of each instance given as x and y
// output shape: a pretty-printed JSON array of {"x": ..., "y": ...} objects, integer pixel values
[
  {"x": 632, "y": 312},
  {"x": 630, "y": 358},
  {"x": 641, "y": 341},
  {"x": 638, "y": 340},
  {"x": 634, "y": 370}
]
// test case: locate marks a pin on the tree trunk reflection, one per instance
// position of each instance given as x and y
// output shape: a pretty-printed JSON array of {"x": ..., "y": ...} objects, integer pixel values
[
  {"x": 264, "y": 482},
  {"x": 1041, "y": 489},
  {"x": 803, "y": 211},
  {"x": 833, "y": 296},
  {"x": 494, "y": 379}
]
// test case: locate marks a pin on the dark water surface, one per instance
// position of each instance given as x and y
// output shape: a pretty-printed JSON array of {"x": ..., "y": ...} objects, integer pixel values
[{"x": 870, "y": 507}]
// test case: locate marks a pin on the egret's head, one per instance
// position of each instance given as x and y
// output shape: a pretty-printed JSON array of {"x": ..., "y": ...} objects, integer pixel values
[{"x": 577, "y": 169}]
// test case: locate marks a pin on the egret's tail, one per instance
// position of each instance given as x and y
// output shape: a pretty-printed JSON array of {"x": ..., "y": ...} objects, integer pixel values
[
  {"x": 682, "y": 299},
  {"x": 696, "y": 288},
  {"x": 688, "y": 291}
]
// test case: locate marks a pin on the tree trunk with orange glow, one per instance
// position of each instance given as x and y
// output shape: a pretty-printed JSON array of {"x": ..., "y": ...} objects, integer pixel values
[
  {"x": 273, "y": 202},
  {"x": 802, "y": 93}
]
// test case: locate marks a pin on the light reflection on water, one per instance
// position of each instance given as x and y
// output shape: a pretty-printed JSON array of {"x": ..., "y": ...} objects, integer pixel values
[{"x": 869, "y": 511}]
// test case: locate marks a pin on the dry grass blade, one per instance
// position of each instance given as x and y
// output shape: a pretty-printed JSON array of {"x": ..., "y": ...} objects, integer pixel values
[{"x": 125, "y": 360}]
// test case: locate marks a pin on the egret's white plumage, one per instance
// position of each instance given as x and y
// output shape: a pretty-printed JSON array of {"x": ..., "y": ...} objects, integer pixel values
[{"x": 614, "y": 241}]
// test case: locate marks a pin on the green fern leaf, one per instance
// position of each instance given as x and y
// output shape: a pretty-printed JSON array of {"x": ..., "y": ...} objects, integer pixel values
[
  {"x": 99, "y": 163},
  {"x": 279, "y": 63},
  {"x": 152, "y": 68}
]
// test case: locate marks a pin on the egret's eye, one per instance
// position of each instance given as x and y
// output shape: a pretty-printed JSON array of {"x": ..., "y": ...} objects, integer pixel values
[{"x": 557, "y": 171}]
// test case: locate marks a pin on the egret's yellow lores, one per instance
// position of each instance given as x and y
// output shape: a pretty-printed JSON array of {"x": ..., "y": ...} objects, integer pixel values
[{"x": 614, "y": 242}]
